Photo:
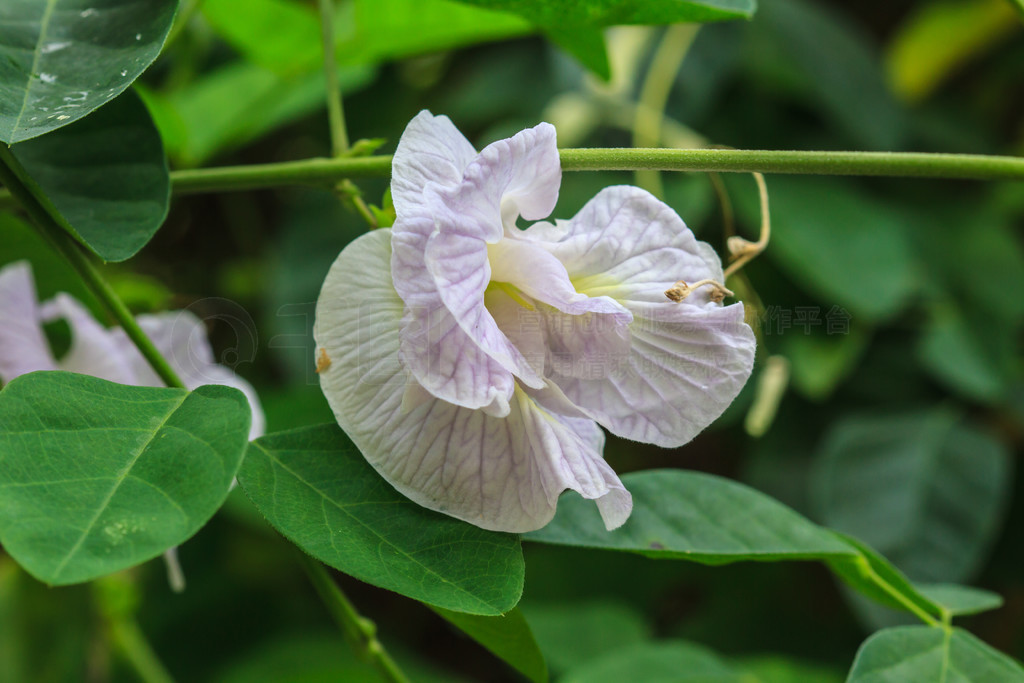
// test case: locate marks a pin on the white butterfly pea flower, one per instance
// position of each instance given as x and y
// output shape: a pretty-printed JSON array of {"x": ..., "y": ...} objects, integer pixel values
[
  {"x": 101, "y": 352},
  {"x": 472, "y": 362}
]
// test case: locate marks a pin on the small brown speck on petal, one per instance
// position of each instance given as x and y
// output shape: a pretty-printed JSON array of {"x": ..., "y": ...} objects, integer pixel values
[{"x": 322, "y": 361}]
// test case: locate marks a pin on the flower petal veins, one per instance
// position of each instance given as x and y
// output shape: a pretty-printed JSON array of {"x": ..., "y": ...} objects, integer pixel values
[{"x": 474, "y": 362}]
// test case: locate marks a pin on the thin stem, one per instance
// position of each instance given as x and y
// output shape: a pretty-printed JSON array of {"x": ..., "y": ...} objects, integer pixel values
[
  {"x": 360, "y": 631},
  {"x": 132, "y": 644},
  {"x": 654, "y": 92},
  {"x": 49, "y": 223},
  {"x": 335, "y": 107},
  {"x": 905, "y": 164},
  {"x": 326, "y": 172},
  {"x": 743, "y": 250}
]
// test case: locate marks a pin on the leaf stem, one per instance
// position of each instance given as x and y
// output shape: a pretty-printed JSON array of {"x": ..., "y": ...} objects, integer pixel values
[
  {"x": 359, "y": 630},
  {"x": 11, "y": 174},
  {"x": 897, "y": 595}
]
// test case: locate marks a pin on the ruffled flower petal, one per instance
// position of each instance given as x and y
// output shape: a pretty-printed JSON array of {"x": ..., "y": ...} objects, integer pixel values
[
  {"x": 687, "y": 361},
  {"x": 94, "y": 350},
  {"x": 626, "y": 244},
  {"x": 23, "y": 346},
  {"x": 440, "y": 266},
  {"x": 431, "y": 151},
  {"x": 499, "y": 473}
]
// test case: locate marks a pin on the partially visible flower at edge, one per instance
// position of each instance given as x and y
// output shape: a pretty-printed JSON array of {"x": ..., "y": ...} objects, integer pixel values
[
  {"x": 472, "y": 361},
  {"x": 101, "y": 352}
]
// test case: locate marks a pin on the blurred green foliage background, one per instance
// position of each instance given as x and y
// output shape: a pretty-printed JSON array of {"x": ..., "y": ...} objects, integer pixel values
[{"x": 896, "y": 305}]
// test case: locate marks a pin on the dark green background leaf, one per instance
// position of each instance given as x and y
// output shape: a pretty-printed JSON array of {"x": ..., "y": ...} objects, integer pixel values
[
  {"x": 315, "y": 487},
  {"x": 96, "y": 476},
  {"x": 61, "y": 59},
  {"x": 107, "y": 176},
  {"x": 923, "y": 489},
  {"x": 665, "y": 662}
]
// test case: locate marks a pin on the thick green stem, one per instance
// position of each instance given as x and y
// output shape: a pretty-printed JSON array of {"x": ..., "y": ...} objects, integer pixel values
[
  {"x": 41, "y": 213},
  {"x": 360, "y": 631},
  {"x": 335, "y": 108}
]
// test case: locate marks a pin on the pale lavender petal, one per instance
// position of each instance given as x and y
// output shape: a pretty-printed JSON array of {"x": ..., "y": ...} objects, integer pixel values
[
  {"x": 431, "y": 150},
  {"x": 180, "y": 337},
  {"x": 439, "y": 264},
  {"x": 626, "y": 244},
  {"x": 678, "y": 378},
  {"x": 686, "y": 361},
  {"x": 95, "y": 349},
  {"x": 498, "y": 473},
  {"x": 474, "y": 371},
  {"x": 23, "y": 346}
]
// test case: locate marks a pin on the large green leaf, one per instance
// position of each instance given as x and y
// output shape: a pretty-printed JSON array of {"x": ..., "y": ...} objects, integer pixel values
[
  {"x": 703, "y": 518},
  {"x": 694, "y": 516},
  {"x": 921, "y": 488},
  {"x": 315, "y": 487},
  {"x": 61, "y": 59},
  {"x": 508, "y": 636},
  {"x": 918, "y": 654},
  {"x": 96, "y": 476},
  {"x": 555, "y": 13},
  {"x": 106, "y": 175},
  {"x": 666, "y": 662}
]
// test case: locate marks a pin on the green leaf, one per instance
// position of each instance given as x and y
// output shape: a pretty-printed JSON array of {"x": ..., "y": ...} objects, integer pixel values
[
  {"x": 874, "y": 577},
  {"x": 570, "y": 13},
  {"x": 106, "y": 175},
  {"x": 666, "y": 662},
  {"x": 846, "y": 247},
  {"x": 712, "y": 520},
  {"x": 507, "y": 636},
  {"x": 314, "y": 487},
  {"x": 571, "y": 634},
  {"x": 964, "y": 352},
  {"x": 586, "y": 44},
  {"x": 922, "y": 489},
  {"x": 277, "y": 35},
  {"x": 777, "y": 669},
  {"x": 391, "y": 29},
  {"x": 918, "y": 654},
  {"x": 960, "y": 600},
  {"x": 61, "y": 59},
  {"x": 96, "y": 476},
  {"x": 694, "y": 516}
]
